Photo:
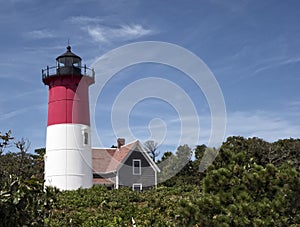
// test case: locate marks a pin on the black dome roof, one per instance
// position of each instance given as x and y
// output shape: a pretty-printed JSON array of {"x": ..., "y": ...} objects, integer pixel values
[{"x": 68, "y": 54}]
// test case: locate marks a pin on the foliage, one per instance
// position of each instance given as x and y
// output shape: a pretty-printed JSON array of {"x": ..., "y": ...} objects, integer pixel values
[
  {"x": 101, "y": 207},
  {"x": 263, "y": 153},
  {"x": 265, "y": 196},
  {"x": 5, "y": 140},
  {"x": 237, "y": 190},
  {"x": 22, "y": 163},
  {"x": 253, "y": 194},
  {"x": 250, "y": 183},
  {"x": 23, "y": 200},
  {"x": 172, "y": 164}
]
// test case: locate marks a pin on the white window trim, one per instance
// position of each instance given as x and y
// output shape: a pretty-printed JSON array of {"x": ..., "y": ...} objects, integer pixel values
[
  {"x": 137, "y": 184},
  {"x": 117, "y": 180},
  {"x": 139, "y": 168}
]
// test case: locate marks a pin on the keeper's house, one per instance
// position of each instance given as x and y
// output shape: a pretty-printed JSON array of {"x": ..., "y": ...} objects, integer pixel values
[{"x": 127, "y": 165}]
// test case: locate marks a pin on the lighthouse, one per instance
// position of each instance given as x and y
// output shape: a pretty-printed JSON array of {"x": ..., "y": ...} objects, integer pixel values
[{"x": 68, "y": 158}]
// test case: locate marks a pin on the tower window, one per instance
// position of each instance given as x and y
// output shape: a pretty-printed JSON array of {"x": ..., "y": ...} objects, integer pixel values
[
  {"x": 85, "y": 138},
  {"x": 136, "y": 167}
]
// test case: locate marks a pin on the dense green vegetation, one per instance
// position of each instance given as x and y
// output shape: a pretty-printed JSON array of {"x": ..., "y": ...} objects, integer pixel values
[
  {"x": 23, "y": 201},
  {"x": 250, "y": 183}
]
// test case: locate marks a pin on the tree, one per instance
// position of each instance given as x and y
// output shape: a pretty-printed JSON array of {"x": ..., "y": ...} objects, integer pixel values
[
  {"x": 165, "y": 156},
  {"x": 25, "y": 160},
  {"x": 151, "y": 148},
  {"x": 245, "y": 185},
  {"x": 176, "y": 169},
  {"x": 262, "y": 152},
  {"x": 38, "y": 163},
  {"x": 199, "y": 151},
  {"x": 286, "y": 150},
  {"x": 23, "y": 201},
  {"x": 5, "y": 140},
  {"x": 18, "y": 163}
]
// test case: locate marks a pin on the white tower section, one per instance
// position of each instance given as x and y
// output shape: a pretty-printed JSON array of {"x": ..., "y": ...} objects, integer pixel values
[{"x": 68, "y": 157}]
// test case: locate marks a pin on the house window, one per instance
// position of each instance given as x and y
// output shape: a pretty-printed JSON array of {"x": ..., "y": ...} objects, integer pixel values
[
  {"x": 85, "y": 138},
  {"x": 136, "y": 167},
  {"x": 137, "y": 187}
]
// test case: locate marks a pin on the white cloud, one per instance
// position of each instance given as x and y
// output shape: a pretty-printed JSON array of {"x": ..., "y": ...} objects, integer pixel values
[
  {"x": 124, "y": 32},
  {"x": 132, "y": 31},
  {"x": 98, "y": 34},
  {"x": 277, "y": 62},
  {"x": 294, "y": 106},
  {"x": 234, "y": 7},
  {"x": 10, "y": 114},
  {"x": 40, "y": 34},
  {"x": 268, "y": 126},
  {"x": 265, "y": 125},
  {"x": 84, "y": 20},
  {"x": 104, "y": 33}
]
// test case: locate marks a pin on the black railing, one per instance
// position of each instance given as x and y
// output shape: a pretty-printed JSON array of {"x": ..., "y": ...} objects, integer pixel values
[{"x": 67, "y": 70}]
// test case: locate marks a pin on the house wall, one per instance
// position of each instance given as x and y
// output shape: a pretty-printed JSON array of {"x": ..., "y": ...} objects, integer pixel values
[{"x": 126, "y": 176}]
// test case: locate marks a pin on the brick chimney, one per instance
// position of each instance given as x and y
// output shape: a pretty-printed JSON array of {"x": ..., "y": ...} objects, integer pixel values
[{"x": 120, "y": 142}]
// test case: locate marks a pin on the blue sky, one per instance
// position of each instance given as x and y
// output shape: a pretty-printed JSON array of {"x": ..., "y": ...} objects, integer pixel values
[{"x": 251, "y": 47}]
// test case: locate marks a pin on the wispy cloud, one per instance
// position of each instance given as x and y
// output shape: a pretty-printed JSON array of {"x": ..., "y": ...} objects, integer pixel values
[
  {"x": 101, "y": 31},
  {"x": 266, "y": 125},
  {"x": 123, "y": 32},
  {"x": 235, "y": 6},
  {"x": 132, "y": 31},
  {"x": 277, "y": 63},
  {"x": 98, "y": 34},
  {"x": 84, "y": 20},
  {"x": 8, "y": 115},
  {"x": 293, "y": 107},
  {"x": 11, "y": 114},
  {"x": 32, "y": 93},
  {"x": 40, "y": 34}
]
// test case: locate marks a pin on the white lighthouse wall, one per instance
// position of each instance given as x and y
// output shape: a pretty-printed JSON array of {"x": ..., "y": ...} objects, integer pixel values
[{"x": 68, "y": 159}]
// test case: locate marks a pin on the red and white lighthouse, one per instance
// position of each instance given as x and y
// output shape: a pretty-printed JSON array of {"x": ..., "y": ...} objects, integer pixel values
[{"x": 68, "y": 159}]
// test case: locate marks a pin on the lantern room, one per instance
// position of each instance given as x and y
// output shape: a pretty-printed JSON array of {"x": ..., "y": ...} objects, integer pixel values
[{"x": 68, "y": 63}]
